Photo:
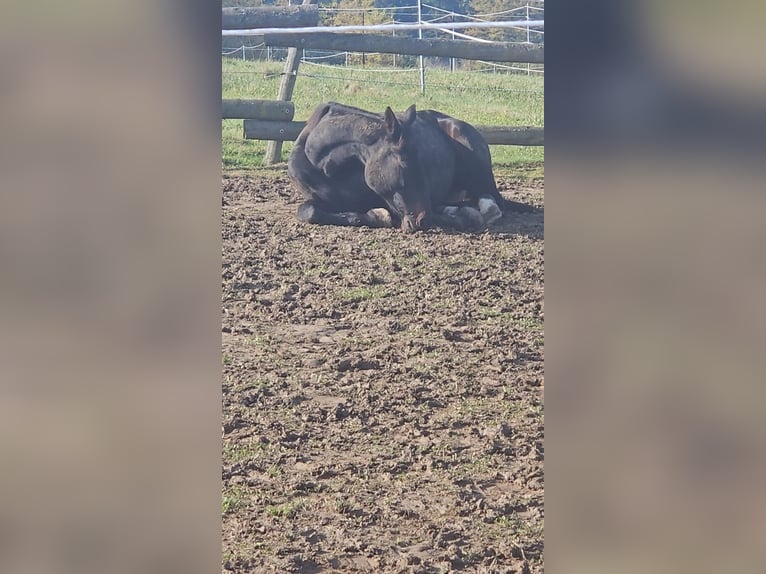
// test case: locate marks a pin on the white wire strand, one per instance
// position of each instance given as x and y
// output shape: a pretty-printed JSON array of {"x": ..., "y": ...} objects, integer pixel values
[
  {"x": 482, "y": 17},
  {"x": 467, "y": 37},
  {"x": 392, "y": 8},
  {"x": 347, "y": 69},
  {"x": 385, "y": 27}
]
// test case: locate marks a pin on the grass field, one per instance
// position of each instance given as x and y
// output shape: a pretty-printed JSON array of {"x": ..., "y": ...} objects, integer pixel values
[{"x": 477, "y": 97}]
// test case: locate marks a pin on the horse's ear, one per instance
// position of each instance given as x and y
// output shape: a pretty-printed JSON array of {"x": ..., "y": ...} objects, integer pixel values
[
  {"x": 393, "y": 129},
  {"x": 409, "y": 115}
]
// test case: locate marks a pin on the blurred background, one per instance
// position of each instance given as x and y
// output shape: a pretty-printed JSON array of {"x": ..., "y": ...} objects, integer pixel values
[
  {"x": 110, "y": 282},
  {"x": 655, "y": 325}
]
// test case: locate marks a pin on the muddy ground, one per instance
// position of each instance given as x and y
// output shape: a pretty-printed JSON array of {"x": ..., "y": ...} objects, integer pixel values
[{"x": 382, "y": 392}]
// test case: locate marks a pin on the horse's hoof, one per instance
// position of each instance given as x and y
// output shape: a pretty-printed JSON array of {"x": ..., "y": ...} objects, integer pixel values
[
  {"x": 380, "y": 217},
  {"x": 353, "y": 219},
  {"x": 307, "y": 213},
  {"x": 470, "y": 218},
  {"x": 490, "y": 211}
]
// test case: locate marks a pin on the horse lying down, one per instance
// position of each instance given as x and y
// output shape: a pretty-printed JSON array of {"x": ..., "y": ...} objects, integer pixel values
[{"x": 409, "y": 170}]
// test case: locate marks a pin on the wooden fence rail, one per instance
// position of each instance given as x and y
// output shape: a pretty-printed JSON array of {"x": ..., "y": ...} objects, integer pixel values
[
  {"x": 269, "y": 17},
  {"x": 494, "y": 135},
  {"x": 258, "y": 109},
  {"x": 524, "y": 53}
]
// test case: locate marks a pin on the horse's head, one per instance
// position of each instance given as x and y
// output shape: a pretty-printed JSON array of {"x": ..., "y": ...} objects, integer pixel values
[{"x": 392, "y": 171}]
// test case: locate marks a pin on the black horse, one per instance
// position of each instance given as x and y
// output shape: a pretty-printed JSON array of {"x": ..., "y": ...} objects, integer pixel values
[{"x": 356, "y": 167}]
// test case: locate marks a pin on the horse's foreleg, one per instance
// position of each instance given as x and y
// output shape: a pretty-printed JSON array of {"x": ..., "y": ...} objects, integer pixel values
[
  {"x": 310, "y": 212},
  {"x": 464, "y": 218}
]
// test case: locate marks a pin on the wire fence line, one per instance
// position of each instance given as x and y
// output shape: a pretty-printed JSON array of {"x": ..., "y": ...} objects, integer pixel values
[
  {"x": 242, "y": 48},
  {"x": 368, "y": 10},
  {"x": 344, "y": 61},
  {"x": 490, "y": 67},
  {"x": 467, "y": 37},
  {"x": 520, "y": 24},
  {"x": 440, "y": 23},
  {"x": 360, "y": 70},
  {"x": 371, "y": 10},
  {"x": 365, "y": 76},
  {"x": 484, "y": 17},
  {"x": 445, "y": 14},
  {"x": 416, "y": 85},
  {"x": 366, "y": 68}
]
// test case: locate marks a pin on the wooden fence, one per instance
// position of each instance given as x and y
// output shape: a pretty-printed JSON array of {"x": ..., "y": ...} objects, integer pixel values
[
  {"x": 268, "y": 110},
  {"x": 285, "y": 130},
  {"x": 270, "y": 17},
  {"x": 266, "y": 16},
  {"x": 272, "y": 120},
  {"x": 464, "y": 49}
]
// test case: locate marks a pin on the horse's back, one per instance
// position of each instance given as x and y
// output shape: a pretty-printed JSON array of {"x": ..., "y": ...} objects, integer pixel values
[
  {"x": 473, "y": 173},
  {"x": 341, "y": 134}
]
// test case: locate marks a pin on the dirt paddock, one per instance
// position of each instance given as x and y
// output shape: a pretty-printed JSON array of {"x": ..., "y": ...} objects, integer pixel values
[{"x": 382, "y": 392}]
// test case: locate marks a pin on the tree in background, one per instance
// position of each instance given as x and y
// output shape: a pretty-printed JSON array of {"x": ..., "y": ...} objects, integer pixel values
[
  {"x": 365, "y": 15},
  {"x": 500, "y": 11}
]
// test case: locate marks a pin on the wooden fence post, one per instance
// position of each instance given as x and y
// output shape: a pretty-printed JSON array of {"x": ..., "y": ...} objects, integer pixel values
[{"x": 286, "y": 86}]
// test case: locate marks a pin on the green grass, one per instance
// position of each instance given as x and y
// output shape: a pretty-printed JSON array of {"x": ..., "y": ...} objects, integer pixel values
[
  {"x": 473, "y": 96},
  {"x": 234, "y": 498},
  {"x": 286, "y": 510},
  {"x": 519, "y": 527},
  {"x": 237, "y": 452},
  {"x": 529, "y": 324}
]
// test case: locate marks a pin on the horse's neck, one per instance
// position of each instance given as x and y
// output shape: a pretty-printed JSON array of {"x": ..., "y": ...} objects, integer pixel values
[
  {"x": 356, "y": 137},
  {"x": 346, "y": 150}
]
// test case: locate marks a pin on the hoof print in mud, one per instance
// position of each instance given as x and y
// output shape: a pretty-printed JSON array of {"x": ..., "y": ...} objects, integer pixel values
[{"x": 349, "y": 364}]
